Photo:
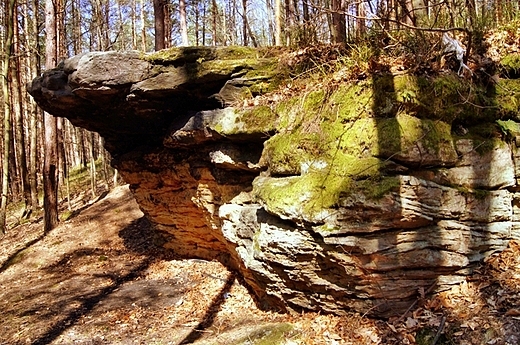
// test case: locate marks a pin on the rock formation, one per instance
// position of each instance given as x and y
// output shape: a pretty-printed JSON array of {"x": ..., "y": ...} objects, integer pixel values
[{"x": 352, "y": 195}]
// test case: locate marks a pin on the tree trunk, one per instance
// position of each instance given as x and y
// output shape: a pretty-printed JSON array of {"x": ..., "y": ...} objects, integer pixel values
[
  {"x": 7, "y": 116},
  {"x": 134, "y": 25},
  {"x": 93, "y": 182},
  {"x": 245, "y": 40},
  {"x": 214, "y": 16},
  {"x": 50, "y": 176},
  {"x": 278, "y": 22},
  {"x": 143, "y": 29},
  {"x": 183, "y": 23},
  {"x": 35, "y": 113},
  {"x": 62, "y": 158},
  {"x": 81, "y": 148},
  {"x": 121, "y": 29},
  {"x": 233, "y": 24},
  {"x": 289, "y": 21},
  {"x": 158, "y": 10},
  {"x": 18, "y": 108},
  {"x": 339, "y": 27},
  {"x": 361, "y": 27}
]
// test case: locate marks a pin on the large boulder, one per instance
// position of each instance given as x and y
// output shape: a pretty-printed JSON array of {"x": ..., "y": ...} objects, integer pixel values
[{"x": 355, "y": 196}]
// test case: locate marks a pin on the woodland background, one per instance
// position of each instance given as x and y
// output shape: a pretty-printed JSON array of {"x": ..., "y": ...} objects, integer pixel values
[{"x": 39, "y": 152}]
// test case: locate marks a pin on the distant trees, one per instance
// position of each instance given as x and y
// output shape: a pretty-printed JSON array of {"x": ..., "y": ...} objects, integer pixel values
[{"x": 58, "y": 29}]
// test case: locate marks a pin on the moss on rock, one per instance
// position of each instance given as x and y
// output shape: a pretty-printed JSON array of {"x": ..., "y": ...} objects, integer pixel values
[
  {"x": 333, "y": 141},
  {"x": 181, "y": 55}
]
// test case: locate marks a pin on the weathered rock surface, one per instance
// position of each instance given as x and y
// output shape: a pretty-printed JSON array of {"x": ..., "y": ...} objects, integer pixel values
[{"x": 328, "y": 201}]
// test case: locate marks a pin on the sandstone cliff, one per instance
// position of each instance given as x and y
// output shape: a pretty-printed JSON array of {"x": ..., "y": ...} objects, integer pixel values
[{"x": 348, "y": 195}]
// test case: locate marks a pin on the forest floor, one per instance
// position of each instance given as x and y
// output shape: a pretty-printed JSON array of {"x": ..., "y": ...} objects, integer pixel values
[{"x": 98, "y": 278}]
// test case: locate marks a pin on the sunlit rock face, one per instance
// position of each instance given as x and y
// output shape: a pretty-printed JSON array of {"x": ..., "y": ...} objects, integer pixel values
[{"x": 352, "y": 197}]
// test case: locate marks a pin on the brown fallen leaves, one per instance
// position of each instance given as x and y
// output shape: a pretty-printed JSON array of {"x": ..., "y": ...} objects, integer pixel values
[{"x": 98, "y": 279}]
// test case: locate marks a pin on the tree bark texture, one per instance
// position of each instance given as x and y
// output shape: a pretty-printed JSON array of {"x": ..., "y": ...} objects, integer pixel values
[
  {"x": 158, "y": 8},
  {"x": 50, "y": 171},
  {"x": 7, "y": 115},
  {"x": 183, "y": 23}
]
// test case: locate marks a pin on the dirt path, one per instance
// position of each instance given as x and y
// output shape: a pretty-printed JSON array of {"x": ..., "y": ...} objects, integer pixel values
[{"x": 99, "y": 279}]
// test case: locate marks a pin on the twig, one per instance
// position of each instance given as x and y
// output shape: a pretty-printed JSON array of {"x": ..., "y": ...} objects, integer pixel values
[
  {"x": 401, "y": 318},
  {"x": 439, "y": 331}
]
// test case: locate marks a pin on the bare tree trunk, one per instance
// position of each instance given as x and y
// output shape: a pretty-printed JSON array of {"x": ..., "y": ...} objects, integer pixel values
[
  {"x": 361, "y": 27},
  {"x": 33, "y": 143},
  {"x": 184, "y": 25},
  {"x": 251, "y": 35},
  {"x": 158, "y": 9},
  {"x": 7, "y": 115},
  {"x": 214, "y": 16},
  {"x": 121, "y": 28},
  {"x": 408, "y": 15},
  {"x": 62, "y": 158},
  {"x": 499, "y": 11},
  {"x": 339, "y": 27},
  {"x": 278, "y": 22},
  {"x": 93, "y": 182},
  {"x": 14, "y": 182},
  {"x": 197, "y": 18},
  {"x": 104, "y": 159},
  {"x": 18, "y": 125},
  {"x": 82, "y": 150},
  {"x": 289, "y": 21},
  {"x": 143, "y": 29},
  {"x": 134, "y": 21},
  {"x": 233, "y": 25},
  {"x": 245, "y": 40},
  {"x": 50, "y": 176},
  {"x": 76, "y": 28}
]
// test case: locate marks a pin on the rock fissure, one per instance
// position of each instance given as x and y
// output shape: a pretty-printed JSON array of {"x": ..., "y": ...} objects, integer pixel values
[{"x": 328, "y": 200}]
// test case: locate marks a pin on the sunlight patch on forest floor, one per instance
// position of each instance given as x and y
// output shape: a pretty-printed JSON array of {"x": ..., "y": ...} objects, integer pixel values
[{"x": 99, "y": 279}]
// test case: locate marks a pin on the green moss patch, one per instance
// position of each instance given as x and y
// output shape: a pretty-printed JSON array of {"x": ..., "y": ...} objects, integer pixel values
[
  {"x": 509, "y": 128},
  {"x": 507, "y": 93},
  {"x": 321, "y": 186},
  {"x": 183, "y": 55},
  {"x": 254, "y": 334},
  {"x": 510, "y": 65},
  {"x": 268, "y": 335},
  {"x": 284, "y": 153}
]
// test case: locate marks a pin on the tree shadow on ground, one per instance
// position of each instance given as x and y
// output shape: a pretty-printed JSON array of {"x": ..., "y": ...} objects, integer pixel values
[
  {"x": 87, "y": 304},
  {"x": 79, "y": 293},
  {"x": 211, "y": 313},
  {"x": 11, "y": 259}
]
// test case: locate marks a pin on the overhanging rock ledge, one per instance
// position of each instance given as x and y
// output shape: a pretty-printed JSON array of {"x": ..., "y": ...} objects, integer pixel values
[{"x": 316, "y": 208}]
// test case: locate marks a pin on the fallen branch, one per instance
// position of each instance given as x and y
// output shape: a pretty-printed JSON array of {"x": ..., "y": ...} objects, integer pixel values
[{"x": 439, "y": 331}]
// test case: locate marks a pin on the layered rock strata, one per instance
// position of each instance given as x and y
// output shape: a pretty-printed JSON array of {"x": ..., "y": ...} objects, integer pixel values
[{"x": 358, "y": 196}]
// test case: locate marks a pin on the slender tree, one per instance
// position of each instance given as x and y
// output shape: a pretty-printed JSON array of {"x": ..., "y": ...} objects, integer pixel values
[
  {"x": 143, "y": 28},
  {"x": 7, "y": 113},
  {"x": 214, "y": 15},
  {"x": 183, "y": 22},
  {"x": 19, "y": 132},
  {"x": 34, "y": 62},
  {"x": 245, "y": 36},
  {"x": 339, "y": 27},
  {"x": 50, "y": 168},
  {"x": 278, "y": 22},
  {"x": 158, "y": 8}
]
